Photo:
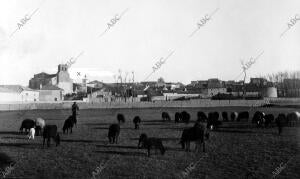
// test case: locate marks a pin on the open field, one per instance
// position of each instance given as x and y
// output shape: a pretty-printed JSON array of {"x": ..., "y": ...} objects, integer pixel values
[{"x": 238, "y": 149}]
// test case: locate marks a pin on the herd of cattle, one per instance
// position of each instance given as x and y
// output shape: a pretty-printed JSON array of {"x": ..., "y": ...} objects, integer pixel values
[{"x": 198, "y": 133}]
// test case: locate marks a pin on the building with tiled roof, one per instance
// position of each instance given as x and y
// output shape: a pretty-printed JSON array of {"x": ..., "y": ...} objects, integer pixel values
[{"x": 61, "y": 79}]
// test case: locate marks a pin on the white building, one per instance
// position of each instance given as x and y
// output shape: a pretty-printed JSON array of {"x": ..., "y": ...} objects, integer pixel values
[{"x": 17, "y": 93}]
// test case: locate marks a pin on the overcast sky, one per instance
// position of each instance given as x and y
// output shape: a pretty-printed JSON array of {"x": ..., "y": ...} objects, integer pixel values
[{"x": 147, "y": 31}]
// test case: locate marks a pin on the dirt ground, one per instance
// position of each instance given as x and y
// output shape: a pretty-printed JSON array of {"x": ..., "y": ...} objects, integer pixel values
[{"x": 236, "y": 150}]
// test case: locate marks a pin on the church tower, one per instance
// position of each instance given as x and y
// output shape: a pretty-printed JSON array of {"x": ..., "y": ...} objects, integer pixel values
[{"x": 63, "y": 79}]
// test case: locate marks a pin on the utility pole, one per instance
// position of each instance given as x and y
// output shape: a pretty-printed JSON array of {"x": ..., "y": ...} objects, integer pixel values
[
  {"x": 132, "y": 85},
  {"x": 125, "y": 89},
  {"x": 244, "y": 81}
]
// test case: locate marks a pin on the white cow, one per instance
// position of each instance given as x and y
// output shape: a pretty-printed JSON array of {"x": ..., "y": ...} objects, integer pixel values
[
  {"x": 40, "y": 124},
  {"x": 31, "y": 133}
]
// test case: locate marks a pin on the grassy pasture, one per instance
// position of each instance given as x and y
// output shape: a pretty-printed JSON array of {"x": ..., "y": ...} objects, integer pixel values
[{"x": 237, "y": 150}]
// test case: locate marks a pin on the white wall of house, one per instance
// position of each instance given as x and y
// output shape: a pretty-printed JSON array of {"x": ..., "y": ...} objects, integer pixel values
[
  {"x": 29, "y": 95},
  {"x": 24, "y": 96},
  {"x": 171, "y": 96},
  {"x": 7, "y": 96},
  {"x": 50, "y": 95}
]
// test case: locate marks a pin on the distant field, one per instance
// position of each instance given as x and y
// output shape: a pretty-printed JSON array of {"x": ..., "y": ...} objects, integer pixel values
[{"x": 237, "y": 150}]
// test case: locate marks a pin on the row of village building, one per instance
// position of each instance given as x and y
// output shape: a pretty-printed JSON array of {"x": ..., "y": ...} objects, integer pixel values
[{"x": 59, "y": 86}]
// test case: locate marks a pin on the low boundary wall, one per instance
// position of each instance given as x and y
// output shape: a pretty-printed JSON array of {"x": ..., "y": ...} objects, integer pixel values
[{"x": 156, "y": 104}]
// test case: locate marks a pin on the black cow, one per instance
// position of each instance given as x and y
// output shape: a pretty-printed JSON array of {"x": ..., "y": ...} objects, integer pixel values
[
  {"x": 121, "y": 118},
  {"x": 165, "y": 116},
  {"x": 213, "y": 120},
  {"x": 74, "y": 118},
  {"x": 201, "y": 116},
  {"x": 269, "y": 119},
  {"x": 243, "y": 116},
  {"x": 50, "y": 131},
  {"x": 224, "y": 116},
  {"x": 27, "y": 124},
  {"x": 68, "y": 125},
  {"x": 293, "y": 118},
  {"x": 113, "y": 133},
  {"x": 136, "y": 121},
  {"x": 148, "y": 143},
  {"x": 178, "y": 117},
  {"x": 196, "y": 134},
  {"x": 258, "y": 118},
  {"x": 185, "y": 117}
]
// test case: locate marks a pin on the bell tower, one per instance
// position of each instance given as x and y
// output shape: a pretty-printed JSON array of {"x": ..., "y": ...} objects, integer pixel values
[{"x": 62, "y": 67}]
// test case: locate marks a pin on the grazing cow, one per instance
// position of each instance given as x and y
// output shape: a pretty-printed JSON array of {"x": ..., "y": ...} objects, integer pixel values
[
  {"x": 74, "y": 119},
  {"x": 68, "y": 125},
  {"x": 113, "y": 133},
  {"x": 258, "y": 118},
  {"x": 75, "y": 109},
  {"x": 185, "y": 117},
  {"x": 39, "y": 125},
  {"x": 136, "y": 121},
  {"x": 27, "y": 124},
  {"x": 148, "y": 143},
  {"x": 165, "y": 116},
  {"x": 201, "y": 125},
  {"x": 233, "y": 116},
  {"x": 201, "y": 117},
  {"x": 121, "y": 118},
  {"x": 196, "y": 134},
  {"x": 50, "y": 131},
  {"x": 224, "y": 116},
  {"x": 293, "y": 118},
  {"x": 178, "y": 117},
  {"x": 31, "y": 133},
  {"x": 243, "y": 116},
  {"x": 213, "y": 120},
  {"x": 280, "y": 120},
  {"x": 269, "y": 119}
]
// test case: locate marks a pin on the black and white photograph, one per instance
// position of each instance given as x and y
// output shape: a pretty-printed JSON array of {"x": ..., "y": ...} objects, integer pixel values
[{"x": 148, "y": 89}]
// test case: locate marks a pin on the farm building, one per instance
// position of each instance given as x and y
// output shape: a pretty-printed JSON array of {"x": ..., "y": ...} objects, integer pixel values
[
  {"x": 17, "y": 93},
  {"x": 51, "y": 93}
]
